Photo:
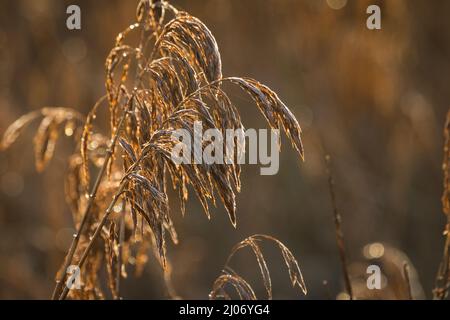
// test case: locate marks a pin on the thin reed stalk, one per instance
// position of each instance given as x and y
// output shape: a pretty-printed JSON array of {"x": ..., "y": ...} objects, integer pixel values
[
  {"x": 94, "y": 237},
  {"x": 76, "y": 239},
  {"x": 442, "y": 282},
  {"x": 120, "y": 247},
  {"x": 338, "y": 229}
]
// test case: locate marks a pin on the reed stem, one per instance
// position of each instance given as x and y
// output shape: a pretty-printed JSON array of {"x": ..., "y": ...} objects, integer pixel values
[
  {"x": 339, "y": 232},
  {"x": 76, "y": 239}
]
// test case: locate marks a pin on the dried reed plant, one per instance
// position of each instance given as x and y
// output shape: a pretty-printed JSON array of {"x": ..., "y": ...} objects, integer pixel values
[
  {"x": 167, "y": 79},
  {"x": 354, "y": 287},
  {"x": 230, "y": 279},
  {"x": 442, "y": 285}
]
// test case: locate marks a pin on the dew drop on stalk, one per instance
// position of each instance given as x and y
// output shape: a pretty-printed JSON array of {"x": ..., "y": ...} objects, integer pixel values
[
  {"x": 117, "y": 208},
  {"x": 93, "y": 145},
  {"x": 69, "y": 128}
]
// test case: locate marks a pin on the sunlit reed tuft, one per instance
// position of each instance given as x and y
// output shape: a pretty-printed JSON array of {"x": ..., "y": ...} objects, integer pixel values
[{"x": 168, "y": 79}]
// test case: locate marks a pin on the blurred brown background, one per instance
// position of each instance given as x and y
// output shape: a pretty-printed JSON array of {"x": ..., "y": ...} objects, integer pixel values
[{"x": 374, "y": 100}]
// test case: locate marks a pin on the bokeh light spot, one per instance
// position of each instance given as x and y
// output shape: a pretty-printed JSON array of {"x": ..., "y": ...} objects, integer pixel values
[
  {"x": 336, "y": 4},
  {"x": 373, "y": 251}
]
